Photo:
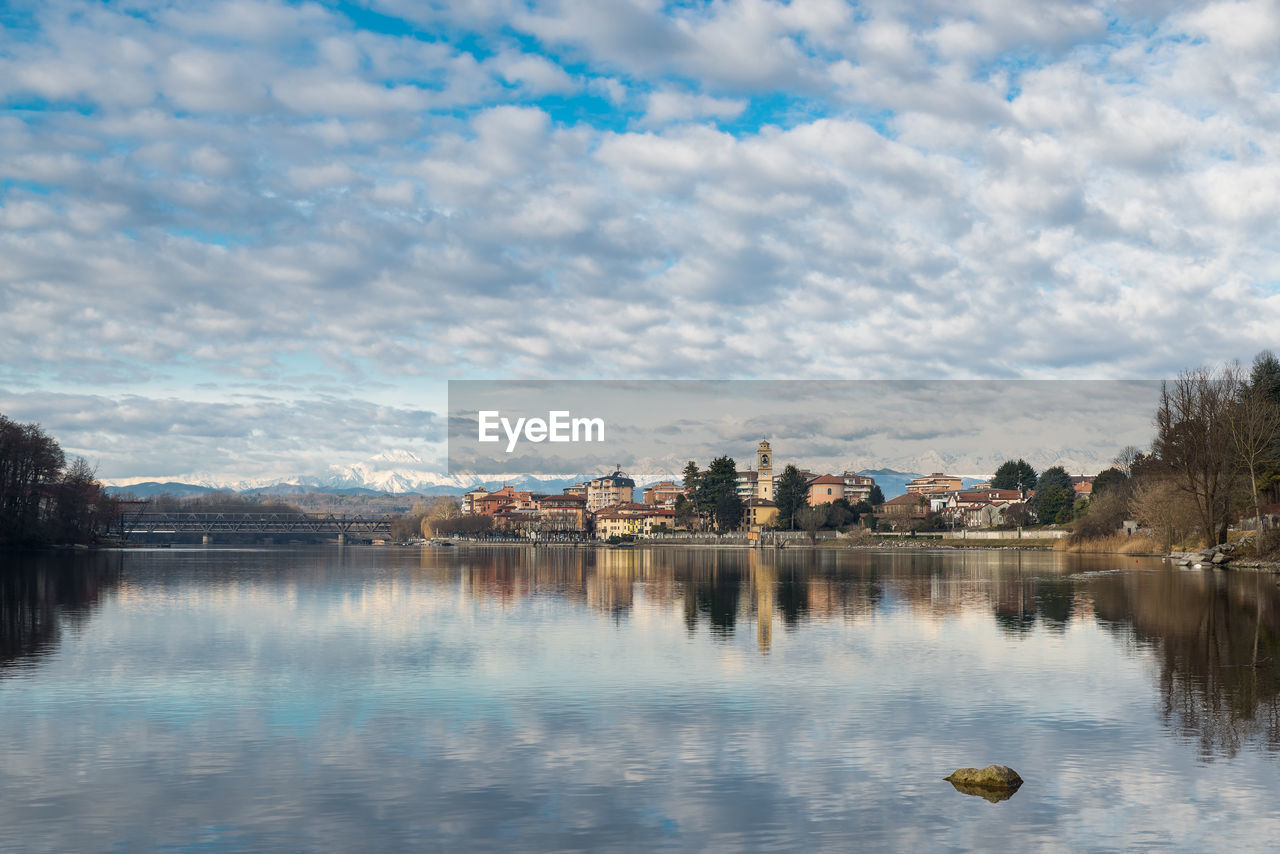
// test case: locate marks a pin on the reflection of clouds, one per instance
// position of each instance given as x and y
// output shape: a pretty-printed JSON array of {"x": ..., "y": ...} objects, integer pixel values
[{"x": 490, "y": 699}]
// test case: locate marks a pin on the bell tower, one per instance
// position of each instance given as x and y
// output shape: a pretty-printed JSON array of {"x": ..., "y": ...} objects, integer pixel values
[{"x": 764, "y": 471}]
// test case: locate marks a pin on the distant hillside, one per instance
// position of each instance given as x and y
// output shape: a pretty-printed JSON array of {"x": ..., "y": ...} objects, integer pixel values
[{"x": 152, "y": 488}]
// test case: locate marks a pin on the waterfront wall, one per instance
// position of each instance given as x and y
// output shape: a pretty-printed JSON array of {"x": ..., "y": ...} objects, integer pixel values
[{"x": 1019, "y": 534}]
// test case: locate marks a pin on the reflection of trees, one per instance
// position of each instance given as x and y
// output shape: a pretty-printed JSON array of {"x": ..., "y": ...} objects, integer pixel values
[
  {"x": 1207, "y": 630},
  {"x": 42, "y": 594},
  {"x": 1203, "y": 628}
]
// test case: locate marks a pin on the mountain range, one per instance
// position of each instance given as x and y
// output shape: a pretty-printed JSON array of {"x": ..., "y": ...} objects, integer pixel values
[{"x": 403, "y": 472}]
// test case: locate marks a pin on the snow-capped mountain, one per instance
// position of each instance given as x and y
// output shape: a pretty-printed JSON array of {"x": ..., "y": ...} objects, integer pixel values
[
  {"x": 395, "y": 471},
  {"x": 1076, "y": 461}
]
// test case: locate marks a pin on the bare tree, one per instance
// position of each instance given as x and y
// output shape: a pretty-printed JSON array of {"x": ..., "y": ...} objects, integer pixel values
[
  {"x": 1193, "y": 437},
  {"x": 1255, "y": 439},
  {"x": 1159, "y": 504},
  {"x": 812, "y": 519}
]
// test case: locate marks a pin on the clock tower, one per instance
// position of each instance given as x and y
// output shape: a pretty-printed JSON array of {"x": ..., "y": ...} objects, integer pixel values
[{"x": 764, "y": 471}]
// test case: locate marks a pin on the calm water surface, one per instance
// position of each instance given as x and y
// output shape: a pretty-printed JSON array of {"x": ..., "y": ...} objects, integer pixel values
[{"x": 506, "y": 699}]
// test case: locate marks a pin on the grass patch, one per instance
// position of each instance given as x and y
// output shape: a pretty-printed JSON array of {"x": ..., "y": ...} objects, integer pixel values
[{"x": 1115, "y": 544}]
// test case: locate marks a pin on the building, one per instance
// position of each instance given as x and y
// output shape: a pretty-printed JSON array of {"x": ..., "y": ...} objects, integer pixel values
[
  {"x": 609, "y": 490},
  {"x": 975, "y": 508},
  {"x": 617, "y": 522},
  {"x": 561, "y": 514},
  {"x": 764, "y": 470},
  {"x": 1082, "y": 486},
  {"x": 635, "y": 520},
  {"x": 933, "y": 483},
  {"x": 758, "y": 513},
  {"x": 901, "y": 511},
  {"x": 758, "y": 483},
  {"x": 825, "y": 488},
  {"x": 503, "y": 499},
  {"x": 469, "y": 499},
  {"x": 857, "y": 487},
  {"x": 663, "y": 493}
]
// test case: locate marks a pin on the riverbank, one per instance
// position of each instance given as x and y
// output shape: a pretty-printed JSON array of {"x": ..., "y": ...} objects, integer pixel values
[{"x": 877, "y": 544}]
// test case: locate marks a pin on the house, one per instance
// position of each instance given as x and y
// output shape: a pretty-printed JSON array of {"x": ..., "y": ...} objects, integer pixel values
[
  {"x": 975, "y": 508},
  {"x": 901, "y": 511},
  {"x": 1082, "y": 486}
]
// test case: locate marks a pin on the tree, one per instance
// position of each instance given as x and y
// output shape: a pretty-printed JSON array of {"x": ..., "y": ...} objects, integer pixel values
[
  {"x": 1014, "y": 474},
  {"x": 1264, "y": 377},
  {"x": 1193, "y": 438},
  {"x": 435, "y": 516},
  {"x": 1018, "y": 514},
  {"x": 812, "y": 519},
  {"x": 720, "y": 478},
  {"x": 1254, "y": 429},
  {"x": 1171, "y": 512},
  {"x": 791, "y": 494},
  {"x": 1111, "y": 480},
  {"x": 876, "y": 498},
  {"x": 692, "y": 478},
  {"x": 686, "y": 514},
  {"x": 728, "y": 511},
  {"x": 1107, "y": 511},
  {"x": 840, "y": 513},
  {"x": 1054, "y": 496}
]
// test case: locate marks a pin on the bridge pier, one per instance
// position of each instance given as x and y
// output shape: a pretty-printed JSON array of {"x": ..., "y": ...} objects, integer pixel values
[
  {"x": 342, "y": 539},
  {"x": 205, "y": 540}
]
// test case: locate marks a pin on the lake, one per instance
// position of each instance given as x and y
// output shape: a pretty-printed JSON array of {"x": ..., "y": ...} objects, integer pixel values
[{"x": 447, "y": 699}]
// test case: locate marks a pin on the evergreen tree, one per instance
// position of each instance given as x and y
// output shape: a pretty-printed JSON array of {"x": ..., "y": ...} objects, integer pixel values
[
  {"x": 1110, "y": 479},
  {"x": 1014, "y": 475},
  {"x": 1265, "y": 376},
  {"x": 720, "y": 478},
  {"x": 876, "y": 498},
  {"x": 790, "y": 495},
  {"x": 728, "y": 511},
  {"x": 692, "y": 477},
  {"x": 1054, "y": 495}
]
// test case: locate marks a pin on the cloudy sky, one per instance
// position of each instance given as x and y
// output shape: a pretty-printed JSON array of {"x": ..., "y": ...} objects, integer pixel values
[{"x": 255, "y": 237}]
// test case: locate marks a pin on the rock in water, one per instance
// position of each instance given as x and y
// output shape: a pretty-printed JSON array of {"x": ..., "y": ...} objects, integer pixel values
[{"x": 995, "y": 782}]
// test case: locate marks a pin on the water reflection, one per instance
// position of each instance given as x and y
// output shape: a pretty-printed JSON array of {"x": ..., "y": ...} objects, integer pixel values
[
  {"x": 548, "y": 698},
  {"x": 43, "y": 596},
  {"x": 1217, "y": 637}
]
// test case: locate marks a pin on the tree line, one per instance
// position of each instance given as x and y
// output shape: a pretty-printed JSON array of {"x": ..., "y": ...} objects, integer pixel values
[
  {"x": 1215, "y": 457},
  {"x": 43, "y": 498}
]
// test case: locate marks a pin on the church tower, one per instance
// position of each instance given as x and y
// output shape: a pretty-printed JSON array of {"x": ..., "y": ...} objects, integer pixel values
[{"x": 764, "y": 471}]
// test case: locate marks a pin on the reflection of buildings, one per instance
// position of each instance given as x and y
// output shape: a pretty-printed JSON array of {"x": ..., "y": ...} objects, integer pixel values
[{"x": 764, "y": 580}]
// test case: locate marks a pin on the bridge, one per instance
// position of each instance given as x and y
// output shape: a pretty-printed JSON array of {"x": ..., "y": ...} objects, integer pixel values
[{"x": 266, "y": 524}]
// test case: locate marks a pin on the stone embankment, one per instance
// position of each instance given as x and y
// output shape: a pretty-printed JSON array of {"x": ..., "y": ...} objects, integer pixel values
[{"x": 1238, "y": 555}]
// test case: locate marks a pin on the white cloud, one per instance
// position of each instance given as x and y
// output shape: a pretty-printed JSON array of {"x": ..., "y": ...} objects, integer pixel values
[
  {"x": 667, "y": 106},
  {"x": 276, "y": 199}
]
